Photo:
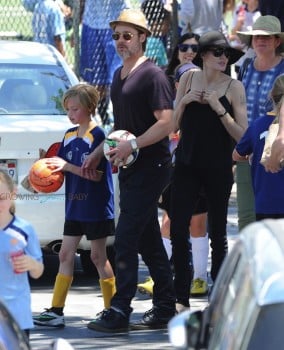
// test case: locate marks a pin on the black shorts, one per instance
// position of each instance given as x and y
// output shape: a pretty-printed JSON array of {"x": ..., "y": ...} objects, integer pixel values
[
  {"x": 92, "y": 230},
  {"x": 200, "y": 207}
]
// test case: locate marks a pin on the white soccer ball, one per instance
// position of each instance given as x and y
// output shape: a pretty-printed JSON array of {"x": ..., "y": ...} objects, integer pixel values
[{"x": 110, "y": 144}]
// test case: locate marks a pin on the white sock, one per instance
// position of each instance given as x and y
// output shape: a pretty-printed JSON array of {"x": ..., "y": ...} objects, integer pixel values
[
  {"x": 168, "y": 246},
  {"x": 200, "y": 251}
]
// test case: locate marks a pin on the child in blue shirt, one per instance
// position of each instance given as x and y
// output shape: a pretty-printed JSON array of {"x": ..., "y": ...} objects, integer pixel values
[
  {"x": 17, "y": 237},
  {"x": 89, "y": 202},
  {"x": 268, "y": 187}
]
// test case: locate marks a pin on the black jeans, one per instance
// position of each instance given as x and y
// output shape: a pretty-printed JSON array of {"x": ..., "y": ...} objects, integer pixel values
[
  {"x": 186, "y": 186},
  {"x": 138, "y": 231}
]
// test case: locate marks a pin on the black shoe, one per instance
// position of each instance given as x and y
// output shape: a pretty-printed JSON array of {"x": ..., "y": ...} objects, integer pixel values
[
  {"x": 154, "y": 318},
  {"x": 110, "y": 321}
]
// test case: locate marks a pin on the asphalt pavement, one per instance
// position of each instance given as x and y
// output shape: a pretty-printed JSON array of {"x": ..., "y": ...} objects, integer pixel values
[{"x": 84, "y": 301}]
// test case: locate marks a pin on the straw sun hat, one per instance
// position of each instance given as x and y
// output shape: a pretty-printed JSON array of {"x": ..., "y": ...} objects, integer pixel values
[
  {"x": 132, "y": 17},
  {"x": 264, "y": 25}
]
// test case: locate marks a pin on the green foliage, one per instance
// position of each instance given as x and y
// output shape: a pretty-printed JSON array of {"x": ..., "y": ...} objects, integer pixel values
[{"x": 58, "y": 101}]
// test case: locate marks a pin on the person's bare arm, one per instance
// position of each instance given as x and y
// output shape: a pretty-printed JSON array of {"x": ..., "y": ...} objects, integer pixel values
[
  {"x": 59, "y": 45},
  {"x": 237, "y": 157},
  {"x": 59, "y": 164},
  {"x": 162, "y": 128},
  {"x": 183, "y": 97},
  {"x": 26, "y": 263},
  {"x": 274, "y": 163},
  {"x": 236, "y": 126}
]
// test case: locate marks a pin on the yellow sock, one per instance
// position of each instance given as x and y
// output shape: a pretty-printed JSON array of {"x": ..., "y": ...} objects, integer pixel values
[
  {"x": 60, "y": 290},
  {"x": 108, "y": 289}
]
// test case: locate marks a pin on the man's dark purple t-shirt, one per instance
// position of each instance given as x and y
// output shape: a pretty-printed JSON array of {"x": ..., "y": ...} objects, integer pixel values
[{"x": 134, "y": 99}]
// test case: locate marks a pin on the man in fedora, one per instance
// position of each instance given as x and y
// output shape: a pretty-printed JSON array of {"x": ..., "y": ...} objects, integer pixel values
[
  {"x": 258, "y": 76},
  {"x": 142, "y": 101}
]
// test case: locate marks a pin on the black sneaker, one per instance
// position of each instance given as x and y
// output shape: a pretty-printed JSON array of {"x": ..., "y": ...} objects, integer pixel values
[
  {"x": 110, "y": 321},
  {"x": 154, "y": 318}
]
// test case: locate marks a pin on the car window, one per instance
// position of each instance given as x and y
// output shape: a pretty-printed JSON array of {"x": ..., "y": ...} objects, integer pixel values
[
  {"x": 243, "y": 309},
  {"x": 32, "y": 89},
  {"x": 232, "y": 303},
  {"x": 268, "y": 331}
]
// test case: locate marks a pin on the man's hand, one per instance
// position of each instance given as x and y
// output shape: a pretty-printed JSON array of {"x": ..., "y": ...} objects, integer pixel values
[{"x": 120, "y": 153}]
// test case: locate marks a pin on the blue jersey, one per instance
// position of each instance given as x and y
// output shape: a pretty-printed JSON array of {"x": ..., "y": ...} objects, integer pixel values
[
  {"x": 86, "y": 200},
  {"x": 268, "y": 188},
  {"x": 15, "y": 288}
]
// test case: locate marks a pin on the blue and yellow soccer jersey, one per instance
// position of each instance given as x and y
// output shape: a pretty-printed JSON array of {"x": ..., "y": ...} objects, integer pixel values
[{"x": 86, "y": 200}]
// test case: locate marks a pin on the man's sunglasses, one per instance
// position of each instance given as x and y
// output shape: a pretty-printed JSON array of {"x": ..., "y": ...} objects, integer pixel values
[
  {"x": 185, "y": 47},
  {"x": 219, "y": 51},
  {"x": 126, "y": 36}
]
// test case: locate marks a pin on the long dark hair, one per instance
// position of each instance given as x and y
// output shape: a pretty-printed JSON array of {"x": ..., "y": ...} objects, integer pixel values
[{"x": 174, "y": 60}]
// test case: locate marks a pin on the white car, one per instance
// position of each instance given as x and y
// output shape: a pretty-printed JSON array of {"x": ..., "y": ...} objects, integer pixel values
[
  {"x": 33, "y": 78},
  {"x": 246, "y": 307}
]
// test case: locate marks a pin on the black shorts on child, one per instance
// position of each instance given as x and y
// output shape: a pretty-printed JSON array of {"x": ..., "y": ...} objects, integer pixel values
[{"x": 92, "y": 230}]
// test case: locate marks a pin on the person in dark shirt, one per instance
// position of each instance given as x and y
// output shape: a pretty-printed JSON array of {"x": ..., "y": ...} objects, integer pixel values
[
  {"x": 142, "y": 101},
  {"x": 273, "y": 8},
  {"x": 210, "y": 112}
]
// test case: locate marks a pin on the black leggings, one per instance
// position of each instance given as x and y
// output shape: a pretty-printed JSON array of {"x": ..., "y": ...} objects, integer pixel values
[{"x": 186, "y": 186}]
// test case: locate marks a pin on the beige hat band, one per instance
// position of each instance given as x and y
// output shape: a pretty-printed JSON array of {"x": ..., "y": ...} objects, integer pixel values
[
  {"x": 133, "y": 18},
  {"x": 260, "y": 31}
]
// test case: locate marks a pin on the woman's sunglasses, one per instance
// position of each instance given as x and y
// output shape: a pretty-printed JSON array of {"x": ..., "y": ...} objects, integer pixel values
[
  {"x": 185, "y": 47},
  {"x": 126, "y": 36},
  {"x": 219, "y": 51}
]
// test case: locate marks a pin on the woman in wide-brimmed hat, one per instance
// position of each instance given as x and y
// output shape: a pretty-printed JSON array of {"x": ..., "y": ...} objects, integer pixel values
[
  {"x": 264, "y": 26},
  {"x": 210, "y": 111},
  {"x": 258, "y": 75}
]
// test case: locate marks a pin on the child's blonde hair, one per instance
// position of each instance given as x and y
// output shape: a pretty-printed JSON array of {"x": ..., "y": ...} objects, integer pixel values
[
  {"x": 88, "y": 96},
  {"x": 277, "y": 93},
  {"x": 6, "y": 179}
]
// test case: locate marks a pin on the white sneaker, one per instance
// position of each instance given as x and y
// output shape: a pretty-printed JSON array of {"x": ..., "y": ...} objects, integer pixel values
[{"x": 49, "y": 318}]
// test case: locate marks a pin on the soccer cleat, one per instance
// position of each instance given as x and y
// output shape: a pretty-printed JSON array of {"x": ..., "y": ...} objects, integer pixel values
[
  {"x": 50, "y": 319},
  {"x": 146, "y": 287},
  {"x": 199, "y": 287}
]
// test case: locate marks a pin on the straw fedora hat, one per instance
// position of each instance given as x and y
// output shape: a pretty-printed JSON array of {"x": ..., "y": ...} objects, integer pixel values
[
  {"x": 216, "y": 39},
  {"x": 132, "y": 17},
  {"x": 264, "y": 25}
]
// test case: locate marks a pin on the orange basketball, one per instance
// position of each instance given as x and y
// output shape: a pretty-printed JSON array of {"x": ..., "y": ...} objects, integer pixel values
[{"x": 42, "y": 179}]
